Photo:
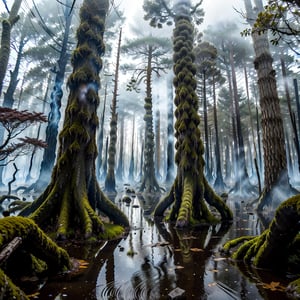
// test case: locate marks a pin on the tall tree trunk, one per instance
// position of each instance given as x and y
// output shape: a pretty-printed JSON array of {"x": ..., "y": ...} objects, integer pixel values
[
  {"x": 104, "y": 165},
  {"x": 120, "y": 168},
  {"x": 257, "y": 170},
  {"x": 291, "y": 112},
  {"x": 55, "y": 105},
  {"x": 100, "y": 137},
  {"x": 235, "y": 148},
  {"x": 7, "y": 25},
  {"x": 242, "y": 183},
  {"x": 170, "y": 132},
  {"x": 68, "y": 204},
  {"x": 142, "y": 161},
  {"x": 110, "y": 180},
  {"x": 219, "y": 184},
  {"x": 206, "y": 136},
  {"x": 9, "y": 94},
  {"x": 157, "y": 144},
  {"x": 149, "y": 183},
  {"x": 295, "y": 82},
  {"x": 190, "y": 188},
  {"x": 275, "y": 162},
  {"x": 228, "y": 169},
  {"x": 28, "y": 177},
  {"x": 289, "y": 157},
  {"x": 131, "y": 163}
]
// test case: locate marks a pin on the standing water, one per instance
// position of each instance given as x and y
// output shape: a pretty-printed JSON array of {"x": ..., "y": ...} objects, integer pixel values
[{"x": 156, "y": 261}]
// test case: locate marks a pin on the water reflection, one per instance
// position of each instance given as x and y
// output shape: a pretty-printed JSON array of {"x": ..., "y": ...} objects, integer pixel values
[{"x": 155, "y": 258}]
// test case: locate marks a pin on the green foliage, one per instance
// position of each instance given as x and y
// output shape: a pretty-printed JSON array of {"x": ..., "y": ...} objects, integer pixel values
[{"x": 281, "y": 18}]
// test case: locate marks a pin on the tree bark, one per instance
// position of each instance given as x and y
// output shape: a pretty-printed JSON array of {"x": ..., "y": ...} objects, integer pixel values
[
  {"x": 219, "y": 184},
  {"x": 275, "y": 162},
  {"x": 149, "y": 183},
  {"x": 68, "y": 204},
  {"x": 190, "y": 187}
]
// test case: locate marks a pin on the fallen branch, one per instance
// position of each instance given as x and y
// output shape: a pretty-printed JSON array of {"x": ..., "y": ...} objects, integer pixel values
[{"x": 9, "y": 249}]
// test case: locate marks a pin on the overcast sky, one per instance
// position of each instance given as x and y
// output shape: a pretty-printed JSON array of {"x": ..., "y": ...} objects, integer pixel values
[{"x": 215, "y": 10}]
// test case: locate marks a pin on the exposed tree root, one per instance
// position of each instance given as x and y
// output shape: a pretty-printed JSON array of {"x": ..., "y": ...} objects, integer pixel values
[
  {"x": 188, "y": 206},
  {"x": 272, "y": 248},
  {"x": 280, "y": 190},
  {"x": 71, "y": 208}
]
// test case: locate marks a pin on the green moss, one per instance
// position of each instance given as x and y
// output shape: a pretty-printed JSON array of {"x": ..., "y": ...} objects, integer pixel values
[
  {"x": 9, "y": 290},
  {"x": 131, "y": 253},
  {"x": 111, "y": 231}
]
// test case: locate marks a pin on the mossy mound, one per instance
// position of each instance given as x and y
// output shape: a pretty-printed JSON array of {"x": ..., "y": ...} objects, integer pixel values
[{"x": 36, "y": 253}]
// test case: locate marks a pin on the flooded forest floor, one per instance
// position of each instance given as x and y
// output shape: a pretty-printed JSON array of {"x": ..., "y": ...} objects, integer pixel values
[{"x": 154, "y": 259}]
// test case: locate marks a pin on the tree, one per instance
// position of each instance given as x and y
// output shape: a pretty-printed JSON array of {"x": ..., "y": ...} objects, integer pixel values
[
  {"x": 154, "y": 51},
  {"x": 100, "y": 136},
  {"x": 219, "y": 184},
  {"x": 55, "y": 103},
  {"x": 15, "y": 122},
  {"x": 190, "y": 187},
  {"x": 110, "y": 181},
  {"x": 281, "y": 18},
  {"x": 120, "y": 169},
  {"x": 206, "y": 55},
  {"x": 7, "y": 25},
  {"x": 73, "y": 193},
  {"x": 275, "y": 162},
  {"x": 170, "y": 131}
]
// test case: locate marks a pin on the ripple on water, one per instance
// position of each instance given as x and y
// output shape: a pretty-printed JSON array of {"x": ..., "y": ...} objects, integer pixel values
[{"x": 138, "y": 287}]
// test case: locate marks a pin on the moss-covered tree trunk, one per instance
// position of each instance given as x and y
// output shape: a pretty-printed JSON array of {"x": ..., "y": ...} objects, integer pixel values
[
  {"x": 190, "y": 187},
  {"x": 275, "y": 162},
  {"x": 278, "y": 246},
  {"x": 33, "y": 242},
  {"x": 149, "y": 183},
  {"x": 110, "y": 180},
  {"x": 69, "y": 202}
]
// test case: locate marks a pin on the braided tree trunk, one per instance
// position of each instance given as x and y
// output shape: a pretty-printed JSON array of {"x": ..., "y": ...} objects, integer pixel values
[
  {"x": 190, "y": 187},
  {"x": 69, "y": 201}
]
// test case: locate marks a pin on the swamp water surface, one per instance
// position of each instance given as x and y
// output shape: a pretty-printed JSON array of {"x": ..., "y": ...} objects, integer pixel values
[{"x": 154, "y": 259}]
